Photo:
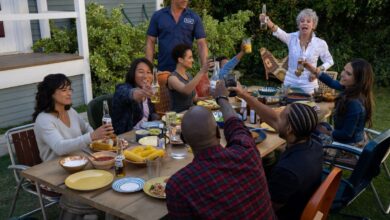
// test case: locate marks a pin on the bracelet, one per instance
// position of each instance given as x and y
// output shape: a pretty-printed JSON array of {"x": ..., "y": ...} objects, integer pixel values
[{"x": 221, "y": 97}]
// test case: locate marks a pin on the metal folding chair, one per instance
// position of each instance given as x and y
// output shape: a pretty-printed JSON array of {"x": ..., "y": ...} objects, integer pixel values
[
  {"x": 370, "y": 160},
  {"x": 24, "y": 153}
]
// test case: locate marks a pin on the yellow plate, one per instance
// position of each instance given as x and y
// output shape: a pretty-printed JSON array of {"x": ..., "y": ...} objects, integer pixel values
[
  {"x": 89, "y": 180},
  {"x": 149, "y": 184},
  {"x": 266, "y": 126}
]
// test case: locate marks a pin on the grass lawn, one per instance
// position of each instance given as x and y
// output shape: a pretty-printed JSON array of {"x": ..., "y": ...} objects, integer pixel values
[{"x": 365, "y": 205}]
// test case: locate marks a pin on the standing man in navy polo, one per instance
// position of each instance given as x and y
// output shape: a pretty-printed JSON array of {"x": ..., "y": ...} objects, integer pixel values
[{"x": 173, "y": 25}]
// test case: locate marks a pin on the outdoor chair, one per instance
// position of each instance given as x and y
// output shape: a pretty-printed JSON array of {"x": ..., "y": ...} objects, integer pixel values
[
  {"x": 95, "y": 110},
  {"x": 24, "y": 153},
  {"x": 273, "y": 67},
  {"x": 163, "y": 106},
  {"x": 319, "y": 204},
  {"x": 368, "y": 166}
]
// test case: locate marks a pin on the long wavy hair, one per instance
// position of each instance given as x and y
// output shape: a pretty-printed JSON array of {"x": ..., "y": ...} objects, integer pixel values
[
  {"x": 44, "y": 101},
  {"x": 362, "y": 89}
]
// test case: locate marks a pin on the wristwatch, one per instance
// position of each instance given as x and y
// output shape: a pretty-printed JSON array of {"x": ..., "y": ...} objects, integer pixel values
[{"x": 221, "y": 97}]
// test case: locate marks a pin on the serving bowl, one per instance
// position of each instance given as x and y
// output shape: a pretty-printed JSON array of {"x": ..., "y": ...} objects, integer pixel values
[
  {"x": 268, "y": 91},
  {"x": 74, "y": 164},
  {"x": 105, "y": 160}
]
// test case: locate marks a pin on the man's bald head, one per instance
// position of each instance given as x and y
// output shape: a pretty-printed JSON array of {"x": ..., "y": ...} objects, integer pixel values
[{"x": 199, "y": 128}]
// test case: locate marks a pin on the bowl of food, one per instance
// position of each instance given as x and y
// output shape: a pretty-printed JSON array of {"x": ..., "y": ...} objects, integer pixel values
[
  {"x": 74, "y": 164},
  {"x": 154, "y": 131},
  {"x": 137, "y": 155},
  {"x": 140, "y": 134},
  {"x": 104, "y": 160},
  {"x": 268, "y": 91}
]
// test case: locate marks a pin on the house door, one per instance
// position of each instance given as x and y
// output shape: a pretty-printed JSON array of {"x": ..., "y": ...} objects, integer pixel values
[{"x": 15, "y": 36}]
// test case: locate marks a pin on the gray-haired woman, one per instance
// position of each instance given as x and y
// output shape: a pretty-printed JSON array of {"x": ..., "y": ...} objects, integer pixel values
[{"x": 303, "y": 45}]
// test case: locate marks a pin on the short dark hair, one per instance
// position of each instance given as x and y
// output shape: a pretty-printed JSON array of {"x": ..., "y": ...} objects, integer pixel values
[
  {"x": 220, "y": 58},
  {"x": 130, "y": 76},
  {"x": 303, "y": 120},
  {"x": 43, "y": 99},
  {"x": 179, "y": 51}
]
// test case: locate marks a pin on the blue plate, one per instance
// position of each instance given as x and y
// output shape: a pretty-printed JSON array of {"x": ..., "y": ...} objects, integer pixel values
[
  {"x": 262, "y": 135},
  {"x": 150, "y": 124},
  {"x": 128, "y": 184}
]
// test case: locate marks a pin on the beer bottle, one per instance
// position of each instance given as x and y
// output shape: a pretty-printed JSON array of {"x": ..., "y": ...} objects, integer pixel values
[
  {"x": 106, "y": 114},
  {"x": 120, "y": 160}
]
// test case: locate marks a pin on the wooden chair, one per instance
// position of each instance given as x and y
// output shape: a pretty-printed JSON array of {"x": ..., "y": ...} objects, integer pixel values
[
  {"x": 324, "y": 88},
  {"x": 273, "y": 67},
  {"x": 164, "y": 104},
  {"x": 320, "y": 203},
  {"x": 95, "y": 110},
  {"x": 24, "y": 153}
]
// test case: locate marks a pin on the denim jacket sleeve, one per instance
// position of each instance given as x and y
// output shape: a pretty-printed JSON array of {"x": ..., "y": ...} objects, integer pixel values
[{"x": 334, "y": 84}]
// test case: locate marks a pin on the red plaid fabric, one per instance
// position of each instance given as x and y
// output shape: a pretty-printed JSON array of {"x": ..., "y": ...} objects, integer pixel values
[{"x": 222, "y": 183}]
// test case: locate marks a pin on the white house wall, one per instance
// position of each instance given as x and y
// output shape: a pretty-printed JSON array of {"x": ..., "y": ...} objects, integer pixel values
[
  {"x": 132, "y": 8},
  {"x": 17, "y": 103}
]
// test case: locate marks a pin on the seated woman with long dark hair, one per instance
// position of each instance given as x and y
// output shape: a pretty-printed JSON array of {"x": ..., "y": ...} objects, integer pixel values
[
  {"x": 181, "y": 84},
  {"x": 131, "y": 105},
  {"x": 354, "y": 105},
  {"x": 59, "y": 130}
]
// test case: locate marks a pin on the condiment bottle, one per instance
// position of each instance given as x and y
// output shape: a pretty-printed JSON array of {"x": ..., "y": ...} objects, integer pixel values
[{"x": 120, "y": 170}]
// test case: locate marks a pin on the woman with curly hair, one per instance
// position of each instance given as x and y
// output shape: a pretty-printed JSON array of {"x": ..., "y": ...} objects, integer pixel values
[{"x": 59, "y": 130}]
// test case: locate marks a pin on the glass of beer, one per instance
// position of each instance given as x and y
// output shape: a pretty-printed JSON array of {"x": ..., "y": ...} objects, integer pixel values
[
  {"x": 155, "y": 98},
  {"x": 300, "y": 67},
  {"x": 247, "y": 45}
]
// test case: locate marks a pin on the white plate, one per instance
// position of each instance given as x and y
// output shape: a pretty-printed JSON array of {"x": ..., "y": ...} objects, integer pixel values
[
  {"x": 128, "y": 185},
  {"x": 150, "y": 140}
]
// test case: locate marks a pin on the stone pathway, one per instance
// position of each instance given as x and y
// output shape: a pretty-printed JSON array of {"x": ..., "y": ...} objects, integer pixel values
[{"x": 3, "y": 143}]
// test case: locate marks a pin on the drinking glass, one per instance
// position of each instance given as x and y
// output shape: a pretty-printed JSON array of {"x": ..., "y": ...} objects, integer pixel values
[
  {"x": 170, "y": 118},
  {"x": 247, "y": 45},
  {"x": 179, "y": 151},
  {"x": 154, "y": 167},
  {"x": 155, "y": 98}
]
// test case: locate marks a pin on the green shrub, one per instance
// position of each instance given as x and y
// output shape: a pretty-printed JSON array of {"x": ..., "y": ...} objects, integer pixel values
[{"x": 112, "y": 45}]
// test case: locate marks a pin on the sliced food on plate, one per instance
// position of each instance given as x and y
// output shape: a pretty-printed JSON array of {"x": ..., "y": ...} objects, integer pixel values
[{"x": 210, "y": 104}]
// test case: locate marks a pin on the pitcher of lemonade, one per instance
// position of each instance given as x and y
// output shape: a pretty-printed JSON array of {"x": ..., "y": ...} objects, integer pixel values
[{"x": 155, "y": 98}]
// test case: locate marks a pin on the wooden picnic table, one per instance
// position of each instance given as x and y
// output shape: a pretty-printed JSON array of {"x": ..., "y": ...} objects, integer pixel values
[
  {"x": 132, "y": 205},
  {"x": 127, "y": 206}
]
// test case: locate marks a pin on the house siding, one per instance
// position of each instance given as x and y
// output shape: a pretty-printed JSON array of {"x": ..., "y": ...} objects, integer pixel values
[
  {"x": 17, "y": 103},
  {"x": 132, "y": 8}
]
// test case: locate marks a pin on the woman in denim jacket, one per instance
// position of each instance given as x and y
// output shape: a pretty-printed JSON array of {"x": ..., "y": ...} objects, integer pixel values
[{"x": 355, "y": 103}]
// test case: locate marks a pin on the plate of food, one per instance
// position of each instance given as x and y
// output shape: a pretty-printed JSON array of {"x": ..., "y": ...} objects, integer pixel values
[
  {"x": 179, "y": 118},
  {"x": 328, "y": 97},
  {"x": 138, "y": 155},
  {"x": 258, "y": 135},
  {"x": 209, "y": 104},
  {"x": 104, "y": 145},
  {"x": 156, "y": 187},
  {"x": 128, "y": 185},
  {"x": 267, "y": 127}
]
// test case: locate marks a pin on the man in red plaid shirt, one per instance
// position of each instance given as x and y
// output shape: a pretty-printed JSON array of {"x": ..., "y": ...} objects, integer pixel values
[{"x": 220, "y": 183}]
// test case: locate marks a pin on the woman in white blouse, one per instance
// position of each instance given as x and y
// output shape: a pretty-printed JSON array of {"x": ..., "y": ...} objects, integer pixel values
[{"x": 302, "y": 44}]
